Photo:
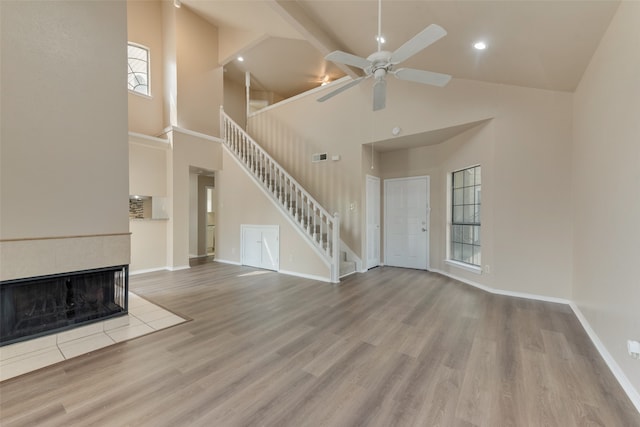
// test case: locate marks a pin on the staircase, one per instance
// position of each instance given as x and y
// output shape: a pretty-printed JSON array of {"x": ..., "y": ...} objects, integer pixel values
[{"x": 319, "y": 226}]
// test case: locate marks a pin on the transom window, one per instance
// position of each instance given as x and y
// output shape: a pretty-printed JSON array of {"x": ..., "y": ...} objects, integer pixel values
[
  {"x": 465, "y": 216},
  {"x": 138, "y": 69}
]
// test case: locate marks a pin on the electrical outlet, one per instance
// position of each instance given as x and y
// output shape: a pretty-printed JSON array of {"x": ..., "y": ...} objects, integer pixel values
[
  {"x": 487, "y": 269},
  {"x": 634, "y": 348}
]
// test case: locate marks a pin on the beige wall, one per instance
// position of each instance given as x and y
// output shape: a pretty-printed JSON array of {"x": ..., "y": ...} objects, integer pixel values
[
  {"x": 240, "y": 201},
  {"x": 63, "y": 130},
  {"x": 293, "y": 131},
  {"x": 525, "y": 152},
  {"x": 148, "y": 177},
  {"x": 235, "y": 102},
  {"x": 148, "y": 244},
  {"x": 170, "y": 66},
  {"x": 188, "y": 150},
  {"x": 148, "y": 169},
  {"x": 606, "y": 174},
  {"x": 199, "y": 78},
  {"x": 144, "y": 26}
]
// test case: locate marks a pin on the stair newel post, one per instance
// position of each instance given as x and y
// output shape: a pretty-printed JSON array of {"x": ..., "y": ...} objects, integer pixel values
[{"x": 335, "y": 249}]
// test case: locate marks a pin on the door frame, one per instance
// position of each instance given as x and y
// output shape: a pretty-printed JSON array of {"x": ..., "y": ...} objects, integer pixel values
[{"x": 427, "y": 178}]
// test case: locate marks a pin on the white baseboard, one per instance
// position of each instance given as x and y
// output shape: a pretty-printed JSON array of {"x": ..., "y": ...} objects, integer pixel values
[
  {"x": 615, "y": 369},
  {"x": 349, "y": 274},
  {"x": 617, "y": 372},
  {"x": 179, "y": 267},
  {"x": 306, "y": 276},
  {"x": 502, "y": 291},
  {"x": 148, "y": 270},
  {"x": 225, "y": 261}
]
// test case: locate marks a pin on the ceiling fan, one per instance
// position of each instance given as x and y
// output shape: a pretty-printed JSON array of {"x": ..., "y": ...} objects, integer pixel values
[{"x": 382, "y": 62}]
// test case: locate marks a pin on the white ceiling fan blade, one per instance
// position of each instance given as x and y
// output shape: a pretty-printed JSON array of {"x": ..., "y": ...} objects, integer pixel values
[
  {"x": 421, "y": 40},
  {"x": 379, "y": 94},
  {"x": 341, "y": 89},
  {"x": 348, "y": 59},
  {"x": 421, "y": 76}
]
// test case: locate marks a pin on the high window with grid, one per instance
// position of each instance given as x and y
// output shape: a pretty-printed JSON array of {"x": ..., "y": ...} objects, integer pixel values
[
  {"x": 138, "y": 69},
  {"x": 465, "y": 216}
]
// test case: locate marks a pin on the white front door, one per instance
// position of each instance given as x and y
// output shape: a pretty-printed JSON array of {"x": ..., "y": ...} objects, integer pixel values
[
  {"x": 406, "y": 219},
  {"x": 261, "y": 246},
  {"x": 373, "y": 221}
]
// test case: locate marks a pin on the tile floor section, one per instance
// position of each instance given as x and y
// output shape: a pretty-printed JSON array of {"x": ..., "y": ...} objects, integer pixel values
[{"x": 143, "y": 318}]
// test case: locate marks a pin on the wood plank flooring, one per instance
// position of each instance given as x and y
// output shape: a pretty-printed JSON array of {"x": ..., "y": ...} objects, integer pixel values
[{"x": 392, "y": 347}]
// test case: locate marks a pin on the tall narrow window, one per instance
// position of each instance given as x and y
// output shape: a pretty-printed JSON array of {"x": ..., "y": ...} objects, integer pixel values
[
  {"x": 138, "y": 69},
  {"x": 465, "y": 216}
]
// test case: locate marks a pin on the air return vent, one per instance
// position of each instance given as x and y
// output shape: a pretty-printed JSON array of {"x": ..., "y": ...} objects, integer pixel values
[{"x": 319, "y": 157}]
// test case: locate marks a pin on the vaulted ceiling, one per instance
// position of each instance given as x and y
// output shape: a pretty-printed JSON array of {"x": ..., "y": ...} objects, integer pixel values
[{"x": 539, "y": 44}]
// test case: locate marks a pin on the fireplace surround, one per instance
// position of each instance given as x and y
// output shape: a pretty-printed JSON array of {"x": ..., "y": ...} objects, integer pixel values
[{"x": 35, "y": 306}]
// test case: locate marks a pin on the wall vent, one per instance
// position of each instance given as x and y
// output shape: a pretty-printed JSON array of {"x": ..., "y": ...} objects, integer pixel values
[{"x": 319, "y": 157}]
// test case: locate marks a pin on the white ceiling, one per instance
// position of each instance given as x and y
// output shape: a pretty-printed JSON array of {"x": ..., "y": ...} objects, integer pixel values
[{"x": 539, "y": 44}]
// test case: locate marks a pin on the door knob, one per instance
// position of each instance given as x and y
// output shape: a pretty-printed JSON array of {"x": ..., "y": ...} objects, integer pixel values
[{"x": 424, "y": 229}]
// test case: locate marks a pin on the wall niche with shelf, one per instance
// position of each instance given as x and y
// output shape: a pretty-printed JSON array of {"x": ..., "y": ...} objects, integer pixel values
[{"x": 147, "y": 207}]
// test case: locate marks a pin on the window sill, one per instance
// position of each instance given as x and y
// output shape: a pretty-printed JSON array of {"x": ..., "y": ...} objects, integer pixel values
[
  {"x": 142, "y": 95},
  {"x": 467, "y": 267}
]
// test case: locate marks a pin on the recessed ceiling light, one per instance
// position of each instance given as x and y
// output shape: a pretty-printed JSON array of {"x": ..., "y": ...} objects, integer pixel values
[
  {"x": 480, "y": 45},
  {"x": 240, "y": 58},
  {"x": 380, "y": 39}
]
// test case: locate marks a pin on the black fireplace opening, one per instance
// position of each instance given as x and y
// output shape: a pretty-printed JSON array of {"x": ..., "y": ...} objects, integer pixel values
[{"x": 37, "y": 306}]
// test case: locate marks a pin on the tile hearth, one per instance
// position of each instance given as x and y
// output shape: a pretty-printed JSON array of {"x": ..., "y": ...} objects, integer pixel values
[{"x": 144, "y": 317}]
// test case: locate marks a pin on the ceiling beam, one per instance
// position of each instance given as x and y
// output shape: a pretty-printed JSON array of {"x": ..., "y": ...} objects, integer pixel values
[{"x": 294, "y": 15}]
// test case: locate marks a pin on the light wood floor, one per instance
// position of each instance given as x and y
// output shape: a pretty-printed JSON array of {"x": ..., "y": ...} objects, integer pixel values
[{"x": 391, "y": 347}]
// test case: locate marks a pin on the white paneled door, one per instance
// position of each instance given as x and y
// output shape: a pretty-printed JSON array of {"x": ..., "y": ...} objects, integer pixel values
[
  {"x": 373, "y": 221},
  {"x": 261, "y": 246},
  {"x": 406, "y": 222}
]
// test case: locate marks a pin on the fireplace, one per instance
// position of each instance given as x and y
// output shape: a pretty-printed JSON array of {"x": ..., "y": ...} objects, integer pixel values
[{"x": 38, "y": 306}]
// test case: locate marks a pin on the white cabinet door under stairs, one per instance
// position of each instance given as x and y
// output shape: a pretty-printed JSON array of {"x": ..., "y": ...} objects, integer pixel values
[{"x": 260, "y": 246}]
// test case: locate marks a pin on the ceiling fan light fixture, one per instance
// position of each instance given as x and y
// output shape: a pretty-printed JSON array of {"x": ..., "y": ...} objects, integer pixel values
[
  {"x": 480, "y": 45},
  {"x": 381, "y": 39},
  {"x": 382, "y": 62}
]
